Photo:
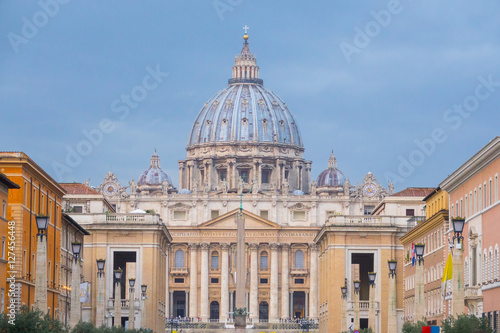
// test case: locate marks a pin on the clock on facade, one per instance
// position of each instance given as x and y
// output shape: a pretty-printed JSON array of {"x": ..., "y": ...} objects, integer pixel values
[
  {"x": 109, "y": 189},
  {"x": 369, "y": 190}
]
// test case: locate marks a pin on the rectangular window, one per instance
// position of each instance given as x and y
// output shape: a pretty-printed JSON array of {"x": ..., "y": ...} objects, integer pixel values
[
  {"x": 367, "y": 210},
  {"x": 214, "y": 280},
  {"x": 299, "y": 281},
  {"x": 215, "y": 261},
  {"x": 266, "y": 176},
  {"x": 263, "y": 281},
  {"x": 3, "y": 247},
  {"x": 4, "y": 209},
  {"x": 77, "y": 209},
  {"x": 179, "y": 214},
  {"x": 410, "y": 212},
  {"x": 299, "y": 215},
  {"x": 264, "y": 214},
  {"x": 244, "y": 175},
  {"x": 214, "y": 214},
  {"x": 222, "y": 175},
  {"x": 2, "y": 300},
  {"x": 179, "y": 280}
]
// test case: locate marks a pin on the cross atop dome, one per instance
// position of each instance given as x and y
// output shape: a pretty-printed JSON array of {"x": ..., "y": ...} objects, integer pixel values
[
  {"x": 246, "y": 28},
  {"x": 245, "y": 69}
]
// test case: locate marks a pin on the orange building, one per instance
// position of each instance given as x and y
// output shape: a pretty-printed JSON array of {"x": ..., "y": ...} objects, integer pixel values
[
  {"x": 473, "y": 190},
  {"x": 5, "y": 185},
  {"x": 38, "y": 194},
  {"x": 430, "y": 232}
]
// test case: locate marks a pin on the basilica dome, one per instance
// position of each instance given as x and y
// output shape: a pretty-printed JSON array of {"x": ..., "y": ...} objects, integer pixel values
[
  {"x": 332, "y": 176},
  {"x": 245, "y": 111},
  {"x": 154, "y": 175}
]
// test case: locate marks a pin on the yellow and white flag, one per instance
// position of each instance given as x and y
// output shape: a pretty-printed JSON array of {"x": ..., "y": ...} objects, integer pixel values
[{"x": 447, "y": 274}]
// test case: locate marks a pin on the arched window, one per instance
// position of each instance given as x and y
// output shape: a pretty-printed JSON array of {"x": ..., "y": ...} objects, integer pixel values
[
  {"x": 466, "y": 272},
  {"x": 299, "y": 259},
  {"x": 490, "y": 266},
  {"x": 485, "y": 266},
  {"x": 263, "y": 259},
  {"x": 179, "y": 259},
  {"x": 496, "y": 264},
  {"x": 215, "y": 259}
]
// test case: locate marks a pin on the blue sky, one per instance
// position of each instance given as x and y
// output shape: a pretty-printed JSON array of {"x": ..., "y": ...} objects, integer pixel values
[{"x": 408, "y": 90}]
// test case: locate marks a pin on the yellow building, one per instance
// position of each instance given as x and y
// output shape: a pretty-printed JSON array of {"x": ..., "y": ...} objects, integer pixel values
[
  {"x": 432, "y": 233},
  {"x": 38, "y": 194},
  {"x": 5, "y": 185}
]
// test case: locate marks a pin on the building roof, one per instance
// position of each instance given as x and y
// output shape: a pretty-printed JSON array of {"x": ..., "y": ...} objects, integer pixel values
[
  {"x": 414, "y": 192},
  {"x": 7, "y": 182},
  {"x": 75, "y": 224},
  {"x": 77, "y": 188}
]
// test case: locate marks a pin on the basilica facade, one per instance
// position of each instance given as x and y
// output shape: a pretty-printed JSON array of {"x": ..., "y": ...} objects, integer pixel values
[{"x": 245, "y": 150}]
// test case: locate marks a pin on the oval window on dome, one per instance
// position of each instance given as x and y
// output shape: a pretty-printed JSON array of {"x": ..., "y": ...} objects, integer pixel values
[
  {"x": 264, "y": 121},
  {"x": 224, "y": 121},
  {"x": 208, "y": 122},
  {"x": 282, "y": 122},
  {"x": 244, "y": 120},
  {"x": 244, "y": 102}
]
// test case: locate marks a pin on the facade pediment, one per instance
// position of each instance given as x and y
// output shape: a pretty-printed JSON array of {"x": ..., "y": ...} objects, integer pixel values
[{"x": 252, "y": 221}]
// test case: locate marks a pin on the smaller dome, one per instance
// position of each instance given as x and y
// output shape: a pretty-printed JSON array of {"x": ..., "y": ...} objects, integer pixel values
[
  {"x": 297, "y": 192},
  {"x": 331, "y": 176},
  {"x": 154, "y": 175},
  {"x": 184, "y": 191}
]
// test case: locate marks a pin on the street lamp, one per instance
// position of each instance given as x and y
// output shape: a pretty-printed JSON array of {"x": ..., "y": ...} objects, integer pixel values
[
  {"x": 343, "y": 289},
  {"x": 100, "y": 267},
  {"x": 144, "y": 288},
  {"x": 458, "y": 227},
  {"x": 419, "y": 251},
  {"x": 392, "y": 267},
  {"x": 76, "y": 247},
  {"x": 118, "y": 297},
  {"x": 42, "y": 221},
  {"x": 118, "y": 275},
  {"x": 371, "y": 278},
  {"x": 357, "y": 284}
]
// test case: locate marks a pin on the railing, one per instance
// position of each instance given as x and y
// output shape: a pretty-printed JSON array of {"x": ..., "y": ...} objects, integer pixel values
[
  {"x": 263, "y": 320},
  {"x": 355, "y": 220},
  {"x": 363, "y": 306},
  {"x": 179, "y": 270},
  {"x": 215, "y": 270},
  {"x": 119, "y": 218},
  {"x": 263, "y": 270},
  {"x": 213, "y": 320},
  {"x": 299, "y": 271},
  {"x": 473, "y": 292},
  {"x": 414, "y": 221}
]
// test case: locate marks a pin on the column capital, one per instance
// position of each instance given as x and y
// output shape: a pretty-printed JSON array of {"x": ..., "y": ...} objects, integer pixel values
[
  {"x": 193, "y": 246},
  {"x": 285, "y": 247},
  {"x": 253, "y": 246},
  {"x": 314, "y": 247},
  {"x": 204, "y": 246},
  {"x": 225, "y": 246},
  {"x": 274, "y": 246}
]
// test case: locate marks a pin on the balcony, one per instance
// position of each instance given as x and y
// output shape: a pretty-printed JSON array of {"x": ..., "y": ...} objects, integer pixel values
[
  {"x": 179, "y": 271},
  {"x": 473, "y": 295},
  {"x": 366, "y": 220},
  {"x": 364, "y": 307},
  {"x": 118, "y": 218},
  {"x": 299, "y": 271},
  {"x": 124, "y": 302}
]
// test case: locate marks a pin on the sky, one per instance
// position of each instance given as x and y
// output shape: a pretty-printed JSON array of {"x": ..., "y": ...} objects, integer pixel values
[{"x": 408, "y": 90}]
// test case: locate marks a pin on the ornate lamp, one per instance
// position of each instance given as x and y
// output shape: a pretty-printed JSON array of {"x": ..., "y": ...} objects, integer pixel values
[
  {"x": 343, "y": 289},
  {"x": 419, "y": 251},
  {"x": 42, "y": 221},
  {"x": 458, "y": 227},
  {"x": 118, "y": 275},
  {"x": 357, "y": 284},
  {"x": 144, "y": 288},
  {"x": 131, "y": 283},
  {"x": 392, "y": 267},
  {"x": 76, "y": 247},
  {"x": 371, "y": 278},
  {"x": 100, "y": 267}
]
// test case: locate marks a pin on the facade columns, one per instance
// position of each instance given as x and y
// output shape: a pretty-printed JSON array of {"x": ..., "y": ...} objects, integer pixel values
[
  {"x": 186, "y": 297},
  {"x": 458, "y": 279},
  {"x": 313, "y": 310},
  {"x": 171, "y": 305},
  {"x": 118, "y": 305},
  {"x": 41, "y": 275},
  {"x": 291, "y": 305},
  {"x": 99, "y": 312},
  {"x": 273, "y": 306},
  {"x": 224, "y": 283},
  {"x": 167, "y": 275},
  {"x": 204, "y": 307},
  {"x": 254, "y": 283},
  {"x": 285, "y": 275},
  {"x": 371, "y": 309},
  {"x": 193, "y": 281}
]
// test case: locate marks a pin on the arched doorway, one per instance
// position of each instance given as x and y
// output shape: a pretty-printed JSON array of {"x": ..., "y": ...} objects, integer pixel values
[
  {"x": 214, "y": 310},
  {"x": 263, "y": 312}
]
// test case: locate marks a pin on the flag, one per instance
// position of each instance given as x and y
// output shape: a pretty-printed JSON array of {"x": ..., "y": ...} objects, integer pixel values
[
  {"x": 84, "y": 292},
  {"x": 413, "y": 259},
  {"x": 447, "y": 274}
]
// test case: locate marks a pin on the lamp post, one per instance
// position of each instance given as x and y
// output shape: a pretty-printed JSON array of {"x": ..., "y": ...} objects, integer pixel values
[
  {"x": 419, "y": 284},
  {"x": 391, "y": 319},
  {"x": 343, "y": 322},
  {"x": 42, "y": 222},
  {"x": 131, "y": 305},
  {"x": 75, "y": 285},
  {"x": 356, "y": 284},
  {"x": 371, "y": 311},
  {"x": 118, "y": 297},
  {"x": 458, "y": 271},
  {"x": 144, "y": 288},
  {"x": 99, "y": 314}
]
